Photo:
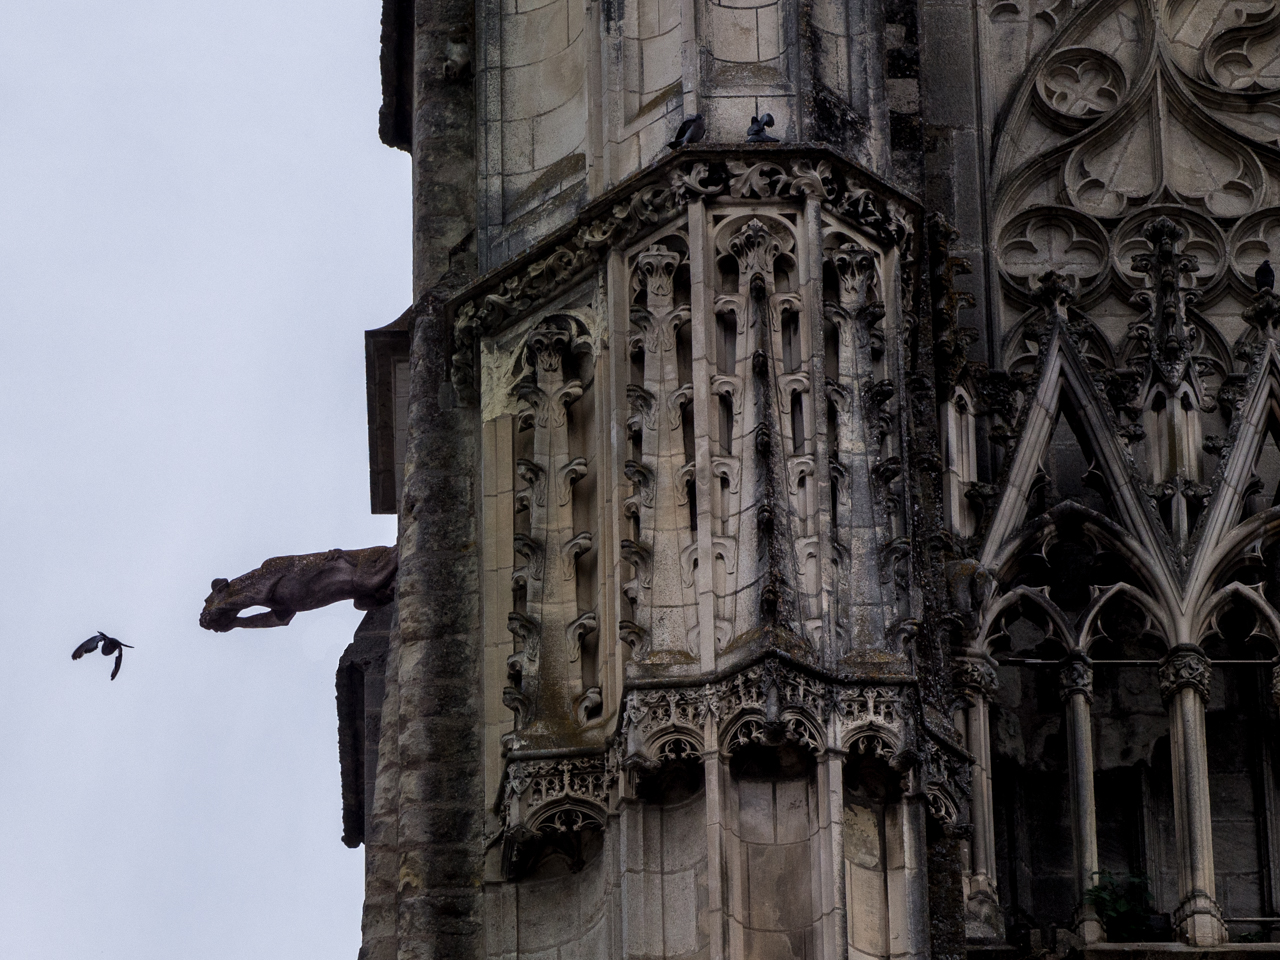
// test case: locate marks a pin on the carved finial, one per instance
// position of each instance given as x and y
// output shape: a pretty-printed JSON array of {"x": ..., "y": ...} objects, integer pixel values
[
  {"x": 756, "y": 248},
  {"x": 549, "y": 341},
  {"x": 1053, "y": 291},
  {"x": 1163, "y": 235},
  {"x": 1166, "y": 297},
  {"x": 855, "y": 268}
]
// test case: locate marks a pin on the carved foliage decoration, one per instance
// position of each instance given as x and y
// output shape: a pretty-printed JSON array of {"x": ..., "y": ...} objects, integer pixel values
[
  {"x": 549, "y": 806},
  {"x": 772, "y": 704},
  {"x": 1185, "y": 667},
  {"x": 1076, "y": 677},
  {"x": 495, "y": 301}
]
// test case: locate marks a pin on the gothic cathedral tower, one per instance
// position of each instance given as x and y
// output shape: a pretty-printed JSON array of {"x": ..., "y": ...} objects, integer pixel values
[{"x": 835, "y": 452}]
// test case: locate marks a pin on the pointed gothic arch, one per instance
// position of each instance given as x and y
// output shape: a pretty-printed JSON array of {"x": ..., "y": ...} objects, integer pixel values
[{"x": 1064, "y": 377}]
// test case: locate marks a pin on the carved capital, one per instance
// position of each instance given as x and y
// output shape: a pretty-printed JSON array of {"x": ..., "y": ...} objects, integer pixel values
[
  {"x": 549, "y": 341},
  {"x": 755, "y": 248},
  {"x": 1075, "y": 674},
  {"x": 1275, "y": 683},
  {"x": 855, "y": 268},
  {"x": 1184, "y": 666},
  {"x": 974, "y": 677},
  {"x": 656, "y": 270}
]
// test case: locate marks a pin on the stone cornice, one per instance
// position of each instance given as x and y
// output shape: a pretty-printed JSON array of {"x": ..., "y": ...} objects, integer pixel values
[{"x": 657, "y": 195}]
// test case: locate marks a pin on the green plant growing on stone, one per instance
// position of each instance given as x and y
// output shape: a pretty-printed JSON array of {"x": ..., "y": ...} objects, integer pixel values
[{"x": 1123, "y": 905}]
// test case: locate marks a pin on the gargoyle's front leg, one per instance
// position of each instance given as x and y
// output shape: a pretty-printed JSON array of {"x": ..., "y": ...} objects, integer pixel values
[{"x": 270, "y": 618}]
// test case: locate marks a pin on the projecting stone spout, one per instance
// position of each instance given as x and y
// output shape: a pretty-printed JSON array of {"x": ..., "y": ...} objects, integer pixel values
[{"x": 287, "y": 585}]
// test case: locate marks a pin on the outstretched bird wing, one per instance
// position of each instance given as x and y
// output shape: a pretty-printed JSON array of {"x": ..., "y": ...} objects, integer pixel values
[
  {"x": 88, "y": 646},
  {"x": 110, "y": 645}
]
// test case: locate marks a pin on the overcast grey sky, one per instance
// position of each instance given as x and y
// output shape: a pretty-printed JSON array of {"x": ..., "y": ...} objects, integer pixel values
[{"x": 197, "y": 222}]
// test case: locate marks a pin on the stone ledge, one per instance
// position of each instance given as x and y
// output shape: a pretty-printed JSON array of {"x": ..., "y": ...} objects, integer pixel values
[
  {"x": 1139, "y": 951},
  {"x": 1142, "y": 951}
]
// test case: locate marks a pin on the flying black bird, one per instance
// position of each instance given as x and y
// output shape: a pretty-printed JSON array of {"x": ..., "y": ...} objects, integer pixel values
[
  {"x": 110, "y": 645},
  {"x": 691, "y": 131},
  {"x": 756, "y": 134},
  {"x": 1264, "y": 278}
]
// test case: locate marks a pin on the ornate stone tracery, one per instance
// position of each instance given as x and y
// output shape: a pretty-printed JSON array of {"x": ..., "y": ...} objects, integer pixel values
[
  {"x": 1138, "y": 566},
  {"x": 1131, "y": 108}
]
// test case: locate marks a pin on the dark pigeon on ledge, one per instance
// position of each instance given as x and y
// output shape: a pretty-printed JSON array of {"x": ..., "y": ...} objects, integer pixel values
[
  {"x": 691, "y": 131},
  {"x": 756, "y": 134},
  {"x": 1264, "y": 278}
]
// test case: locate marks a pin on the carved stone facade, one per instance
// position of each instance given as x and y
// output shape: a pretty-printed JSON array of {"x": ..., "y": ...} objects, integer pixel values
[{"x": 859, "y": 545}]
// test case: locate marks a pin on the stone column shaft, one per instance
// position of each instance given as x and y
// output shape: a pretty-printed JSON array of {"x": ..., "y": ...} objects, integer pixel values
[
  {"x": 976, "y": 680},
  {"x": 830, "y": 856},
  {"x": 1184, "y": 685},
  {"x": 913, "y": 926},
  {"x": 717, "y": 892},
  {"x": 1077, "y": 693},
  {"x": 982, "y": 861}
]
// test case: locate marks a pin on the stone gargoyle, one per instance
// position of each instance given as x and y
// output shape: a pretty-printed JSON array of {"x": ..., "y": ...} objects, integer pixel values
[{"x": 287, "y": 585}]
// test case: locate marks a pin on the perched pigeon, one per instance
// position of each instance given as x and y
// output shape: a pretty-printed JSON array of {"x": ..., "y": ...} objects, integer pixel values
[
  {"x": 691, "y": 131},
  {"x": 110, "y": 645},
  {"x": 756, "y": 134},
  {"x": 1264, "y": 278}
]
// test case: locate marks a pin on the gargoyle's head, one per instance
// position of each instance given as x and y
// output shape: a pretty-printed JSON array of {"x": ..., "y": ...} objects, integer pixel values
[
  {"x": 216, "y": 614},
  {"x": 223, "y": 605}
]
